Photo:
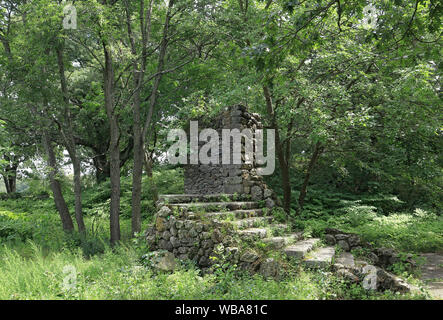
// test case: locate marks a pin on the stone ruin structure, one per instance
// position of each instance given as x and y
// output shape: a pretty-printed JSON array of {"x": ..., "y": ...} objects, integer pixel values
[
  {"x": 228, "y": 178},
  {"x": 180, "y": 227},
  {"x": 225, "y": 214}
]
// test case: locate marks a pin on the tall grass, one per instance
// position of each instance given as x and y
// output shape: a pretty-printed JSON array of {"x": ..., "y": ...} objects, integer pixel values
[{"x": 118, "y": 274}]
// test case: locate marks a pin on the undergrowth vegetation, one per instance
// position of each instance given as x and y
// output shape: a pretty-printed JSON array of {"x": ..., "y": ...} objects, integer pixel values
[
  {"x": 39, "y": 261},
  {"x": 382, "y": 220},
  {"x": 120, "y": 274}
]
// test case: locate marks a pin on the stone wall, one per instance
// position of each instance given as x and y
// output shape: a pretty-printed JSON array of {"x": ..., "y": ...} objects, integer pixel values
[{"x": 187, "y": 236}]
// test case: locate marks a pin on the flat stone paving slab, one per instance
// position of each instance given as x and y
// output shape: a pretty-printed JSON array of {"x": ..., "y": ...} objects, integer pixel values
[
  {"x": 251, "y": 222},
  {"x": 182, "y": 198},
  {"x": 279, "y": 228},
  {"x": 275, "y": 242},
  {"x": 345, "y": 259},
  {"x": 216, "y": 206},
  {"x": 240, "y": 214},
  {"x": 280, "y": 242},
  {"x": 299, "y": 249},
  {"x": 432, "y": 274},
  {"x": 252, "y": 233},
  {"x": 320, "y": 258}
]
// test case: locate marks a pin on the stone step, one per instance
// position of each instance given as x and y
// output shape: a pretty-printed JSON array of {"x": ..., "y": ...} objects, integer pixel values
[
  {"x": 217, "y": 206},
  {"x": 280, "y": 242},
  {"x": 301, "y": 248},
  {"x": 187, "y": 198},
  {"x": 251, "y": 222},
  {"x": 237, "y": 214},
  {"x": 320, "y": 258},
  {"x": 253, "y": 233},
  {"x": 344, "y": 260}
]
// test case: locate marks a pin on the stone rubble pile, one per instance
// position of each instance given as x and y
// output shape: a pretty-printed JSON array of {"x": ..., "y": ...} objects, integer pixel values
[
  {"x": 382, "y": 257},
  {"x": 361, "y": 271}
]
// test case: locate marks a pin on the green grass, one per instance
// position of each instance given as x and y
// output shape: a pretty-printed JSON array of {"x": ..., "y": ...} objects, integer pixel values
[
  {"x": 118, "y": 274},
  {"x": 405, "y": 232}
]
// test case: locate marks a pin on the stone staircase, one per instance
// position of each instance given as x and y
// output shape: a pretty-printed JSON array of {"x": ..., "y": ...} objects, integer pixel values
[
  {"x": 197, "y": 227},
  {"x": 249, "y": 222}
]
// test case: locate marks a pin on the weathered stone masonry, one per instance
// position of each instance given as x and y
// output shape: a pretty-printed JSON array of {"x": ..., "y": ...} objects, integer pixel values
[
  {"x": 228, "y": 178},
  {"x": 225, "y": 211},
  {"x": 186, "y": 233}
]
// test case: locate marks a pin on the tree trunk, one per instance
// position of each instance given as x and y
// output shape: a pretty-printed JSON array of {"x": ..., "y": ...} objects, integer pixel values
[
  {"x": 317, "y": 151},
  {"x": 114, "y": 146},
  {"x": 5, "y": 180},
  {"x": 138, "y": 165},
  {"x": 139, "y": 131},
  {"x": 138, "y": 70},
  {"x": 148, "y": 168},
  {"x": 10, "y": 178},
  {"x": 68, "y": 136},
  {"x": 284, "y": 164},
  {"x": 102, "y": 167},
  {"x": 78, "y": 195},
  {"x": 12, "y": 184},
  {"x": 59, "y": 200},
  {"x": 286, "y": 184}
]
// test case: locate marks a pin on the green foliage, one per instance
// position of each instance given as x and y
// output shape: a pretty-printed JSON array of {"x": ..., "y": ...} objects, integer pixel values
[
  {"x": 405, "y": 232},
  {"x": 357, "y": 215},
  {"x": 96, "y": 197},
  {"x": 118, "y": 274},
  {"x": 369, "y": 95},
  {"x": 13, "y": 228},
  {"x": 417, "y": 230},
  {"x": 225, "y": 272},
  {"x": 279, "y": 214},
  {"x": 35, "y": 269}
]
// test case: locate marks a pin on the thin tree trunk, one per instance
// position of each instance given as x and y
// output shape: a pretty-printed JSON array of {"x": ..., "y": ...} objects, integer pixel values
[
  {"x": 139, "y": 131},
  {"x": 154, "y": 93},
  {"x": 78, "y": 195},
  {"x": 284, "y": 164},
  {"x": 138, "y": 166},
  {"x": 59, "y": 200},
  {"x": 149, "y": 173},
  {"x": 68, "y": 136},
  {"x": 315, "y": 155},
  {"x": 5, "y": 180},
  {"x": 9, "y": 184},
  {"x": 13, "y": 184},
  {"x": 114, "y": 146},
  {"x": 148, "y": 163},
  {"x": 102, "y": 167},
  {"x": 10, "y": 178},
  {"x": 138, "y": 71}
]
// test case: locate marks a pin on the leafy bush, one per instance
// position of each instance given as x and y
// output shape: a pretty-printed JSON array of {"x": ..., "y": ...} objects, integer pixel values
[
  {"x": 13, "y": 227},
  {"x": 356, "y": 214},
  {"x": 6, "y": 196}
]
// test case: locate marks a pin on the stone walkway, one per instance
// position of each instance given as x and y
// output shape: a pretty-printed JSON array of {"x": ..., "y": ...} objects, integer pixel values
[{"x": 432, "y": 274}]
